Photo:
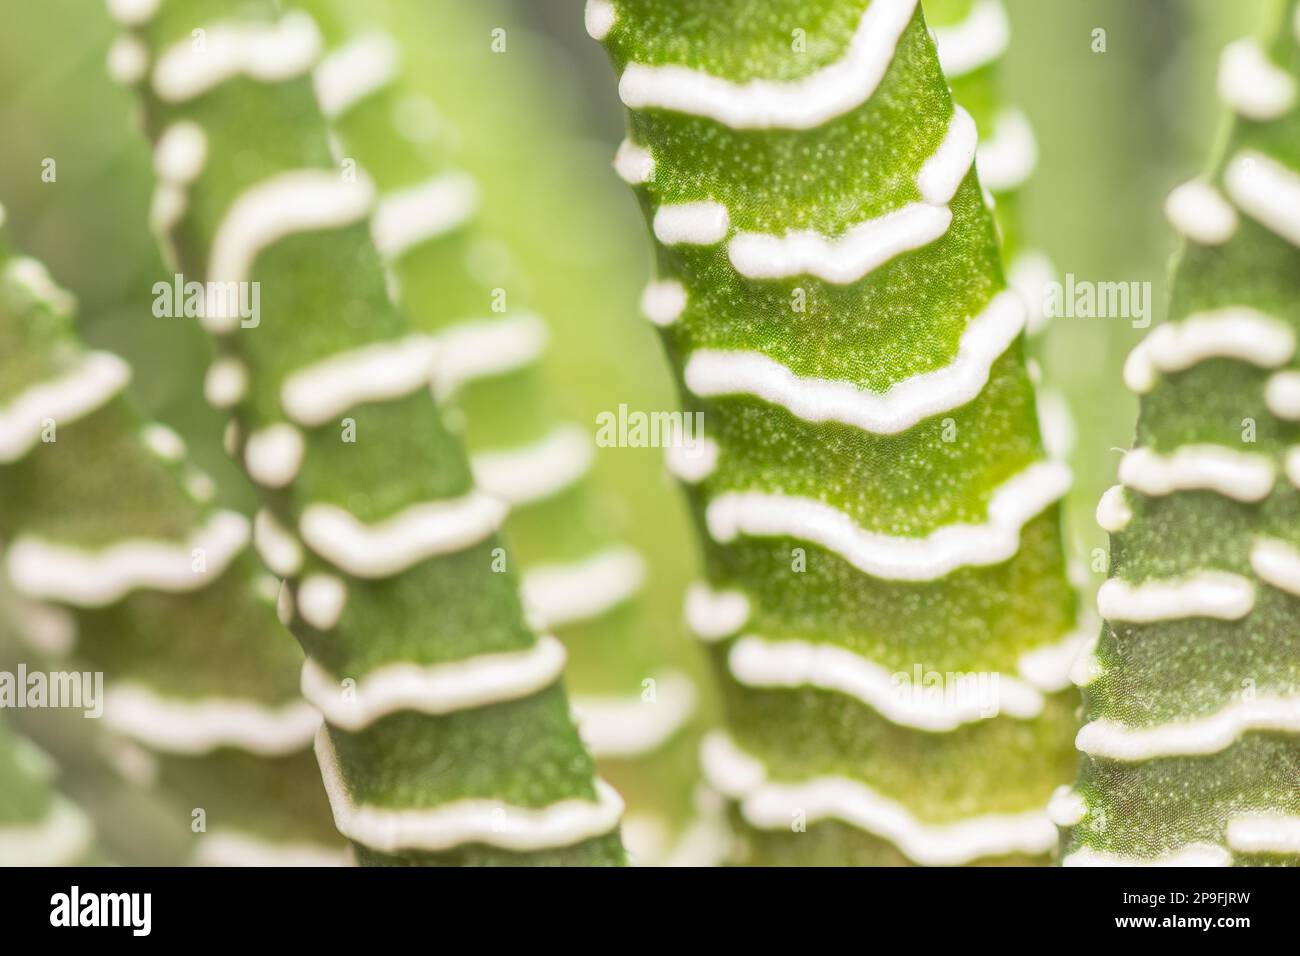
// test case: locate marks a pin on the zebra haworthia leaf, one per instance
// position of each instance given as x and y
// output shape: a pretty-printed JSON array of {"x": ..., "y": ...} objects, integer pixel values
[
  {"x": 1192, "y": 741},
  {"x": 371, "y": 511},
  {"x": 876, "y": 508}
]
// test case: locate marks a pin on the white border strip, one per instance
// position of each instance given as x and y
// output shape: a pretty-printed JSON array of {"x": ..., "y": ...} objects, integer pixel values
[
  {"x": 97, "y": 378},
  {"x": 1205, "y": 735},
  {"x": 378, "y": 372},
  {"x": 536, "y": 471},
  {"x": 621, "y": 728},
  {"x": 556, "y": 595},
  {"x": 1235, "y": 332},
  {"x": 1213, "y": 594}
]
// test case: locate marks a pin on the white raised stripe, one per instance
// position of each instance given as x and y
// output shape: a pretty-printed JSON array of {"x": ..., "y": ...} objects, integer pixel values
[
  {"x": 711, "y": 372},
  {"x": 619, "y": 728},
  {"x": 1282, "y": 395},
  {"x": 273, "y": 455},
  {"x": 943, "y": 172},
  {"x": 298, "y": 201},
  {"x": 1067, "y": 807},
  {"x": 770, "y": 104},
  {"x": 1194, "y": 854},
  {"x": 321, "y": 599},
  {"x": 771, "y": 805},
  {"x": 469, "y": 820},
  {"x": 1048, "y": 668},
  {"x": 1277, "y": 563},
  {"x": 181, "y": 152},
  {"x": 845, "y": 258},
  {"x": 1213, "y": 594},
  {"x": 693, "y": 461},
  {"x": 354, "y": 71},
  {"x": 1264, "y": 833},
  {"x": 417, "y": 532},
  {"x": 977, "y": 40},
  {"x": 1007, "y": 157},
  {"x": 534, "y": 472},
  {"x": 712, "y": 615},
  {"x": 663, "y": 301},
  {"x": 486, "y": 348},
  {"x": 98, "y": 377},
  {"x": 757, "y": 662},
  {"x": 434, "y": 688},
  {"x": 372, "y": 373},
  {"x": 1251, "y": 84},
  {"x": 1198, "y": 211},
  {"x": 278, "y": 549},
  {"x": 199, "y": 726},
  {"x": 1243, "y": 476},
  {"x": 226, "y": 382},
  {"x": 1267, "y": 191},
  {"x": 634, "y": 164},
  {"x": 559, "y": 594},
  {"x": 407, "y": 217},
  {"x": 232, "y": 848},
  {"x": 598, "y": 17},
  {"x": 890, "y": 557},
  {"x": 263, "y": 51},
  {"x": 93, "y": 578},
  {"x": 1113, "y": 510},
  {"x": 128, "y": 60},
  {"x": 691, "y": 223},
  {"x": 132, "y": 12},
  {"x": 1206, "y": 735},
  {"x": 60, "y": 838},
  {"x": 1235, "y": 332}
]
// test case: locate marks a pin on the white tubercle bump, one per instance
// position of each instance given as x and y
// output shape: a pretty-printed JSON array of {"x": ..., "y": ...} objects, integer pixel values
[
  {"x": 693, "y": 461},
  {"x": 634, "y": 164},
  {"x": 413, "y": 534},
  {"x": 128, "y": 60},
  {"x": 943, "y": 172},
  {"x": 226, "y": 382},
  {"x": 321, "y": 599},
  {"x": 1194, "y": 854},
  {"x": 407, "y": 217},
  {"x": 843, "y": 259},
  {"x": 1199, "y": 212},
  {"x": 468, "y": 820},
  {"x": 534, "y": 472},
  {"x": 1277, "y": 563},
  {"x": 1235, "y": 332},
  {"x": 354, "y": 71},
  {"x": 1066, "y": 808},
  {"x": 299, "y": 201},
  {"x": 163, "y": 442},
  {"x": 132, "y": 12},
  {"x": 199, "y": 726},
  {"x": 1204, "y": 735},
  {"x": 1213, "y": 594},
  {"x": 975, "y": 41},
  {"x": 1264, "y": 833},
  {"x": 46, "y": 570},
  {"x": 889, "y": 557},
  {"x": 559, "y": 594},
  {"x": 624, "y": 727},
  {"x": 278, "y": 549},
  {"x": 1282, "y": 395},
  {"x": 273, "y": 455},
  {"x": 1048, "y": 668},
  {"x": 802, "y": 103},
  {"x": 1243, "y": 476},
  {"x": 98, "y": 377},
  {"x": 1113, "y": 510},
  {"x": 1007, "y": 157},
  {"x": 60, "y": 838},
  {"x": 713, "y": 615},
  {"x": 757, "y": 662},
  {"x": 1251, "y": 84},
  {"x": 711, "y": 372},
  {"x": 598, "y": 17},
  {"x": 181, "y": 152},
  {"x": 663, "y": 301},
  {"x": 1267, "y": 191},
  {"x": 702, "y": 223},
  {"x": 269, "y": 52},
  {"x": 378, "y": 372},
  {"x": 435, "y": 688},
  {"x": 770, "y": 804},
  {"x": 484, "y": 348}
]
